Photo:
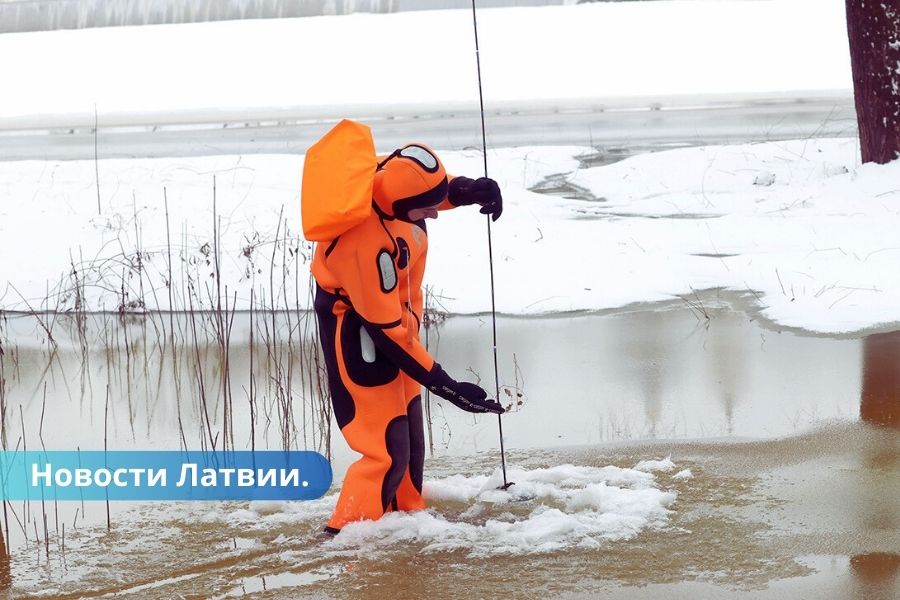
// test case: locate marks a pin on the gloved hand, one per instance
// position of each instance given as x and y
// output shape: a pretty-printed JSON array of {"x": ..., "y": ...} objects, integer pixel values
[
  {"x": 483, "y": 191},
  {"x": 463, "y": 394}
]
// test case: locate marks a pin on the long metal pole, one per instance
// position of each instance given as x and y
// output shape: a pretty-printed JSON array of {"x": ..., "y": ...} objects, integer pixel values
[{"x": 506, "y": 484}]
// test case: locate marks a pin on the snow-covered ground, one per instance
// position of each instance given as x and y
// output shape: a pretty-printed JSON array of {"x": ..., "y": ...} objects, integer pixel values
[
  {"x": 418, "y": 61},
  {"x": 801, "y": 226}
]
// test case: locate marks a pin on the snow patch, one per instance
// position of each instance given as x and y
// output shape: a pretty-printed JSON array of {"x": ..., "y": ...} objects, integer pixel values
[
  {"x": 683, "y": 475},
  {"x": 816, "y": 249},
  {"x": 650, "y": 466},
  {"x": 568, "y": 506}
]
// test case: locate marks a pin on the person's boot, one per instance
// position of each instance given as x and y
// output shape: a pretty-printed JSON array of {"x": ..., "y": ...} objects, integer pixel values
[{"x": 326, "y": 534}]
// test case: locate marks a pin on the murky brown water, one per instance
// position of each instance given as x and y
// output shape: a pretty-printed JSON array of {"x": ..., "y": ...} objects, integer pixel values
[{"x": 792, "y": 441}]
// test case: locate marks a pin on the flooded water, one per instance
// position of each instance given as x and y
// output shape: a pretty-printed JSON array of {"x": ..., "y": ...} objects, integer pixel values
[{"x": 783, "y": 474}]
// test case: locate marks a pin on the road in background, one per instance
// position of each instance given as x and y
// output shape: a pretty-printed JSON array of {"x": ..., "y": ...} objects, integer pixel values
[{"x": 623, "y": 128}]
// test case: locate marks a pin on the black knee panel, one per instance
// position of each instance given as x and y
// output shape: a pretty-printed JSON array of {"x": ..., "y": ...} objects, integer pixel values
[{"x": 396, "y": 440}]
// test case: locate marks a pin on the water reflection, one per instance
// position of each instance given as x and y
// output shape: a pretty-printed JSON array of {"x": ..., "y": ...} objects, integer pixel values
[
  {"x": 880, "y": 403},
  {"x": 174, "y": 382},
  {"x": 253, "y": 380},
  {"x": 660, "y": 374},
  {"x": 876, "y": 573},
  {"x": 5, "y": 574}
]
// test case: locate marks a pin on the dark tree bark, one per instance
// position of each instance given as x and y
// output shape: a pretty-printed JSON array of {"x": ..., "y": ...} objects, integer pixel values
[{"x": 873, "y": 27}]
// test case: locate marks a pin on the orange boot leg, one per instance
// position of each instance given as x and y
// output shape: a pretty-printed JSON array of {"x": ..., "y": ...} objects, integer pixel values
[{"x": 380, "y": 432}]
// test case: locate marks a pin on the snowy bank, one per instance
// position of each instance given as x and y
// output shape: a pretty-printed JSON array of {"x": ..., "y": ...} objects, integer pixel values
[
  {"x": 800, "y": 227},
  {"x": 334, "y": 66}
]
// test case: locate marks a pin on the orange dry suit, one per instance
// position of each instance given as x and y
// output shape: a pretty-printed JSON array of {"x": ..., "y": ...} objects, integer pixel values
[{"x": 369, "y": 305}]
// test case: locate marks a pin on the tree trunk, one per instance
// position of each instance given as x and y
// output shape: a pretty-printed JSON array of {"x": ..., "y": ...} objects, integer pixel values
[{"x": 873, "y": 27}]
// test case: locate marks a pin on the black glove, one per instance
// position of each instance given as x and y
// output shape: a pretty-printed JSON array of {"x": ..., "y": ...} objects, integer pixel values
[
  {"x": 483, "y": 191},
  {"x": 463, "y": 394}
]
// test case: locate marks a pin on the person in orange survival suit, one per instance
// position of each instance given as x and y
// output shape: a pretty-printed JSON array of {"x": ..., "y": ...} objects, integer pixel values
[{"x": 369, "y": 306}]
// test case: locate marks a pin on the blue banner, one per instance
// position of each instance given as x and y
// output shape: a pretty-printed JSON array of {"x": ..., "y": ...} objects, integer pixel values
[{"x": 163, "y": 475}]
